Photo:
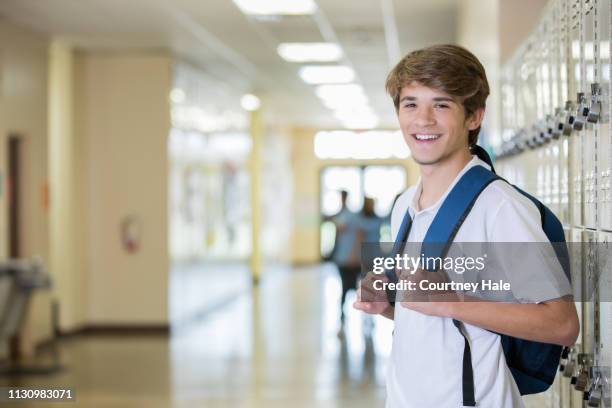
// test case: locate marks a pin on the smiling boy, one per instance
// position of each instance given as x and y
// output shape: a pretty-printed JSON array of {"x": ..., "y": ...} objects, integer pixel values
[{"x": 439, "y": 95}]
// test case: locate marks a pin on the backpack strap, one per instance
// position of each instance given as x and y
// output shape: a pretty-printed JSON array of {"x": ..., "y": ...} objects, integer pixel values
[
  {"x": 400, "y": 241},
  {"x": 454, "y": 210},
  {"x": 440, "y": 236}
]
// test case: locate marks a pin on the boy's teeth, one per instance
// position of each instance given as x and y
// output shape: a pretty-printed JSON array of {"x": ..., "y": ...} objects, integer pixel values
[{"x": 427, "y": 137}]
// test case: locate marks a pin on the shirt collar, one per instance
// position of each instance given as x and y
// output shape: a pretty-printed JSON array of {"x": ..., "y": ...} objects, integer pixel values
[{"x": 414, "y": 202}]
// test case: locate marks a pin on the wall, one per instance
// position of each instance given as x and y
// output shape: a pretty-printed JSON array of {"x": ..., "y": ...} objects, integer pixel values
[
  {"x": 478, "y": 31},
  {"x": 517, "y": 18},
  {"x": 124, "y": 116},
  {"x": 23, "y": 110}
]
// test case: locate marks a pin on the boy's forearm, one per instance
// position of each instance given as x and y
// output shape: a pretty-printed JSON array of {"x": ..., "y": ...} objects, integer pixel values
[{"x": 549, "y": 322}]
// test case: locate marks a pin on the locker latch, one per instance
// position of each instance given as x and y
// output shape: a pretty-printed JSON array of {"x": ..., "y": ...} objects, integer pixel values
[
  {"x": 581, "y": 381},
  {"x": 549, "y": 125},
  {"x": 595, "y": 109},
  {"x": 540, "y": 133},
  {"x": 600, "y": 387},
  {"x": 593, "y": 395},
  {"x": 556, "y": 123},
  {"x": 568, "y": 123},
  {"x": 581, "y": 112}
]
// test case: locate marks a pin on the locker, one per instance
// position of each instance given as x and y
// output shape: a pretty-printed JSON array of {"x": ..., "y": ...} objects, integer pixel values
[
  {"x": 604, "y": 138},
  {"x": 590, "y": 320},
  {"x": 589, "y": 60},
  {"x": 603, "y": 357},
  {"x": 575, "y": 177},
  {"x": 604, "y": 167},
  {"x": 556, "y": 122},
  {"x": 570, "y": 397},
  {"x": 564, "y": 175},
  {"x": 564, "y": 96},
  {"x": 575, "y": 137}
]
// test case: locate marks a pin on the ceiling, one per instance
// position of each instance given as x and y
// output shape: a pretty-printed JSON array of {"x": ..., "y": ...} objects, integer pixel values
[{"x": 241, "y": 50}]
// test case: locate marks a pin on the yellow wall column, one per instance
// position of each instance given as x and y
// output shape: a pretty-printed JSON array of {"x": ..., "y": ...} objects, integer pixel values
[{"x": 255, "y": 169}]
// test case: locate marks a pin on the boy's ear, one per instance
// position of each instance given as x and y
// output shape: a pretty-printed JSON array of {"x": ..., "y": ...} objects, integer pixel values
[{"x": 475, "y": 119}]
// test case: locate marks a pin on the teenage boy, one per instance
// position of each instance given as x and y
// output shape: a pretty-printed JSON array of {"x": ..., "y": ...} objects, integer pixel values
[{"x": 439, "y": 95}]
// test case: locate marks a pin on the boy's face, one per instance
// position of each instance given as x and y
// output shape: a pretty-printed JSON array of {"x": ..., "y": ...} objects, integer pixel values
[{"x": 433, "y": 124}]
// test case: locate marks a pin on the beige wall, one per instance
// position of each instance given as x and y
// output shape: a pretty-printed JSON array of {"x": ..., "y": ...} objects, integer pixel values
[
  {"x": 478, "y": 31},
  {"x": 517, "y": 18},
  {"x": 306, "y": 183},
  {"x": 124, "y": 117},
  {"x": 23, "y": 111}
]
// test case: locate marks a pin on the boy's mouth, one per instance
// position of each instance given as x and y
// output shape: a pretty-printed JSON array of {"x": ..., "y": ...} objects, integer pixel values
[{"x": 426, "y": 137}]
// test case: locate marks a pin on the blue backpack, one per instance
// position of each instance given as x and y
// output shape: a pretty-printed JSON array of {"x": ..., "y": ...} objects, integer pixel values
[{"x": 533, "y": 364}]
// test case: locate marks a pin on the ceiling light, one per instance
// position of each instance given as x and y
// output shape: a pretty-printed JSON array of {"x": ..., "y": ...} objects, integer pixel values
[
  {"x": 250, "y": 102},
  {"x": 324, "y": 74},
  {"x": 330, "y": 92},
  {"x": 360, "y": 122},
  {"x": 276, "y": 7},
  {"x": 353, "y": 111},
  {"x": 345, "y": 102},
  {"x": 177, "y": 95},
  {"x": 310, "y": 52}
]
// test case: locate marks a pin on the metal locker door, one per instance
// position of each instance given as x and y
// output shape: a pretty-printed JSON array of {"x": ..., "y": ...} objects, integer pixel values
[
  {"x": 569, "y": 369},
  {"x": 575, "y": 84},
  {"x": 556, "y": 116},
  {"x": 604, "y": 165},
  {"x": 590, "y": 319},
  {"x": 600, "y": 113},
  {"x": 565, "y": 188},
  {"x": 589, "y": 161},
  {"x": 564, "y": 52},
  {"x": 589, "y": 145},
  {"x": 600, "y": 388}
]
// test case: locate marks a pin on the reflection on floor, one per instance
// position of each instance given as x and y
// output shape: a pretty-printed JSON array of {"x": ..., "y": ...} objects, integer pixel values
[{"x": 277, "y": 346}]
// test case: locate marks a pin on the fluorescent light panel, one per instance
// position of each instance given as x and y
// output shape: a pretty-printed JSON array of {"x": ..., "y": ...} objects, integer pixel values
[
  {"x": 345, "y": 91},
  {"x": 276, "y": 7},
  {"x": 250, "y": 102},
  {"x": 326, "y": 74},
  {"x": 360, "y": 123},
  {"x": 310, "y": 52}
]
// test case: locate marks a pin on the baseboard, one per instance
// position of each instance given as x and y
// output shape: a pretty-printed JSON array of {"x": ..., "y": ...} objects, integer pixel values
[{"x": 117, "y": 330}]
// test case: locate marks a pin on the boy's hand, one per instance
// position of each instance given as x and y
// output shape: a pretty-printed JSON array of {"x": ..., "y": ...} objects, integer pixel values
[
  {"x": 369, "y": 300},
  {"x": 429, "y": 302}
]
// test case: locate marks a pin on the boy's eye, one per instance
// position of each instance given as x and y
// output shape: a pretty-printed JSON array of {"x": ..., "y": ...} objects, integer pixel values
[
  {"x": 409, "y": 105},
  {"x": 441, "y": 105}
]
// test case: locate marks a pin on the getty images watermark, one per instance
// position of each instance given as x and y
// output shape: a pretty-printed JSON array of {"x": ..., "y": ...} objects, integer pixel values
[{"x": 507, "y": 272}]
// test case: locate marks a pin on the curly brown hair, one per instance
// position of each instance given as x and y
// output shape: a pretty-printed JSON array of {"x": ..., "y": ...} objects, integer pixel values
[{"x": 448, "y": 68}]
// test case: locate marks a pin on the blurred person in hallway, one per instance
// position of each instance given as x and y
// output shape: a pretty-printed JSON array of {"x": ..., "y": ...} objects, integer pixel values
[
  {"x": 370, "y": 223},
  {"x": 345, "y": 254},
  {"x": 369, "y": 233},
  {"x": 352, "y": 230}
]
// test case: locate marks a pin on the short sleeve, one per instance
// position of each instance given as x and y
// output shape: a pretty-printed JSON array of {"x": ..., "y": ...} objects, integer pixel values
[{"x": 521, "y": 254}]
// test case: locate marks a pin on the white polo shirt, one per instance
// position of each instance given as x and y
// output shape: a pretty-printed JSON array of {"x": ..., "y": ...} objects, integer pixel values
[{"x": 425, "y": 369}]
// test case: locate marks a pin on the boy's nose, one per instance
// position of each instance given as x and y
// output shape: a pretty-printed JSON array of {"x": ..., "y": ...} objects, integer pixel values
[{"x": 425, "y": 117}]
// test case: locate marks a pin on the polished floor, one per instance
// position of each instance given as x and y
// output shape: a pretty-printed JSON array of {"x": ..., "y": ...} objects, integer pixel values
[{"x": 276, "y": 346}]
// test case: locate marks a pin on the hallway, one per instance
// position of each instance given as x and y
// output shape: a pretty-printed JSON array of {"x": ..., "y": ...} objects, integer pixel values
[{"x": 234, "y": 357}]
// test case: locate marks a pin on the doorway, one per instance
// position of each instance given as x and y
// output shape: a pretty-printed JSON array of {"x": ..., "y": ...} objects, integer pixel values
[
  {"x": 380, "y": 182},
  {"x": 13, "y": 195}
]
